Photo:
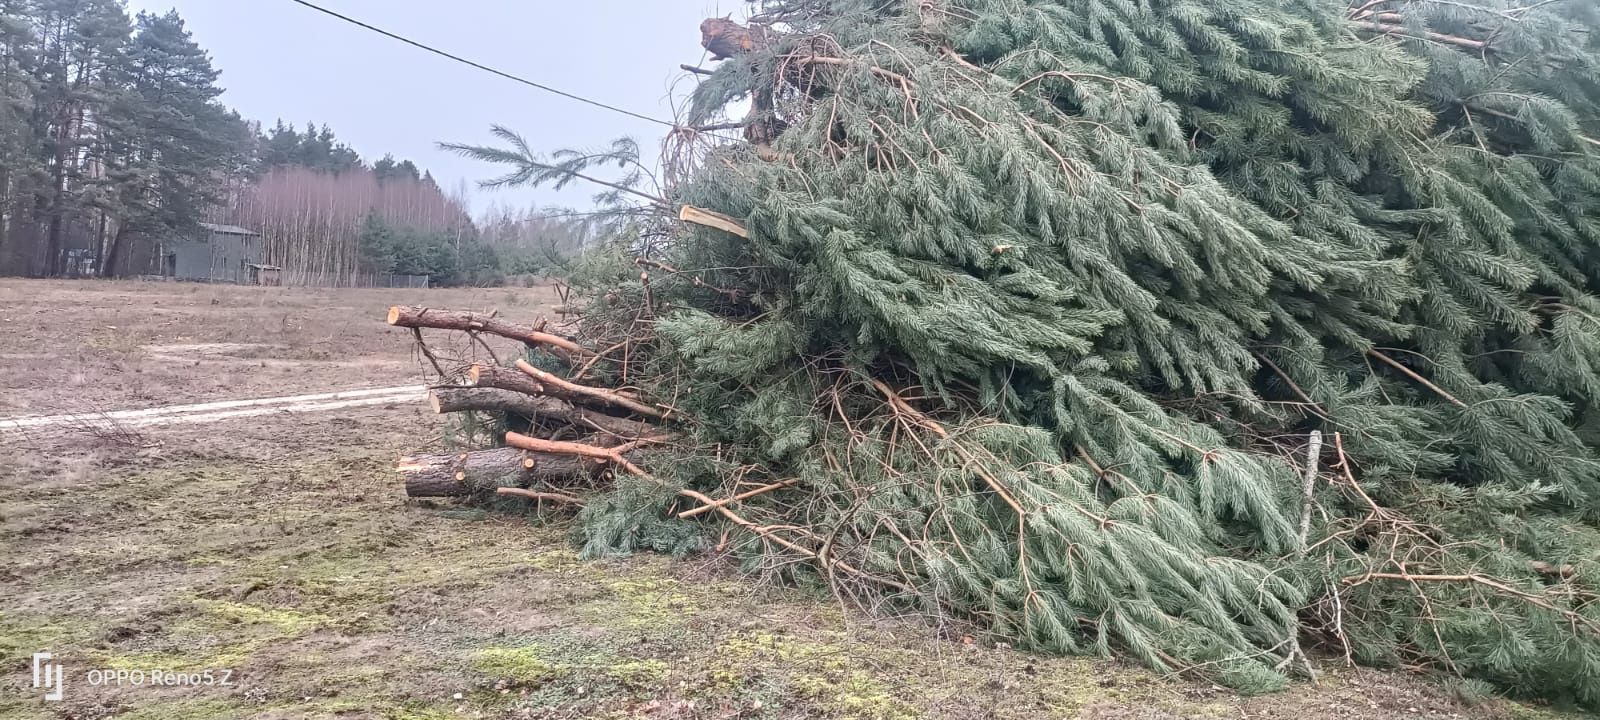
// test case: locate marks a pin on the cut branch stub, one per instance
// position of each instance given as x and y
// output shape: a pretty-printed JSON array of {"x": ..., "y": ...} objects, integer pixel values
[
  {"x": 494, "y": 376},
  {"x": 421, "y": 317},
  {"x": 712, "y": 219},
  {"x": 725, "y": 38}
]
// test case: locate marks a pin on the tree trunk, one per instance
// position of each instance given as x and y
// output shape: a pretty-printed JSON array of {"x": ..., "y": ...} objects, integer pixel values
[
  {"x": 455, "y": 474},
  {"x": 493, "y": 399},
  {"x": 65, "y": 134},
  {"x": 100, "y": 246},
  {"x": 114, "y": 251},
  {"x": 5, "y": 215},
  {"x": 421, "y": 317},
  {"x": 52, "y": 261}
]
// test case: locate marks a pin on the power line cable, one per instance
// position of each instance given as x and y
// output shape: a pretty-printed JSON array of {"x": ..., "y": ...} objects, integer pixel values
[{"x": 481, "y": 66}]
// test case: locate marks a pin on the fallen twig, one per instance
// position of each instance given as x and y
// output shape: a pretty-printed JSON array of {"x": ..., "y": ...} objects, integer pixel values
[
  {"x": 737, "y": 498},
  {"x": 535, "y": 495},
  {"x": 1391, "y": 362}
]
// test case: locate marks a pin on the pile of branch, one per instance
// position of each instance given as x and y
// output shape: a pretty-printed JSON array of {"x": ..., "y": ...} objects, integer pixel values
[
  {"x": 581, "y": 429},
  {"x": 578, "y": 434},
  {"x": 1011, "y": 323}
]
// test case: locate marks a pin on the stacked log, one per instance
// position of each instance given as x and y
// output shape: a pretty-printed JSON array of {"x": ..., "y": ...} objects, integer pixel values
[
  {"x": 613, "y": 431},
  {"x": 608, "y": 427}
]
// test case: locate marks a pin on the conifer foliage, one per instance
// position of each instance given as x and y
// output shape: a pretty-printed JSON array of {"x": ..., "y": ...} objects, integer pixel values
[{"x": 1199, "y": 331}]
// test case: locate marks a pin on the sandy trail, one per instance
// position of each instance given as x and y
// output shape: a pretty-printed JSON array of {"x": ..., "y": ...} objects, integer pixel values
[{"x": 208, "y": 412}]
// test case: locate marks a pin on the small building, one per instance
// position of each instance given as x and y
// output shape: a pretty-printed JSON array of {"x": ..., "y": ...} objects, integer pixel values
[
  {"x": 217, "y": 253},
  {"x": 270, "y": 275}
]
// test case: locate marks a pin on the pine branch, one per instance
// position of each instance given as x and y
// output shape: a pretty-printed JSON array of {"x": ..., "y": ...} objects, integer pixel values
[{"x": 1493, "y": 583}]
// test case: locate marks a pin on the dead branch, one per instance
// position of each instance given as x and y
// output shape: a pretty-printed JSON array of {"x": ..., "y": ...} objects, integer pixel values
[
  {"x": 1391, "y": 362},
  {"x": 714, "y": 127},
  {"x": 535, "y": 495},
  {"x": 731, "y": 295},
  {"x": 1401, "y": 31},
  {"x": 589, "y": 365},
  {"x": 903, "y": 81},
  {"x": 427, "y": 352},
  {"x": 899, "y": 404},
  {"x": 573, "y": 392},
  {"x": 1308, "y": 488},
  {"x": 738, "y": 498},
  {"x": 477, "y": 338},
  {"x": 421, "y": 317},
  {"x": 1293, "y": 386}
]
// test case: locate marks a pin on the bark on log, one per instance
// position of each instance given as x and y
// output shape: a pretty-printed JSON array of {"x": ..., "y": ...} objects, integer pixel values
[
  {"x": 453, "y": 474},
  {"x": 494, "y": 376},
  {"x": 421, "y": 317},
  {"x": 492, "y": 399}
]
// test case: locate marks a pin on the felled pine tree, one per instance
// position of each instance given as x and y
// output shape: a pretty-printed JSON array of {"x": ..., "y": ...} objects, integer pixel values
[{"x": 1041, "y": 313}]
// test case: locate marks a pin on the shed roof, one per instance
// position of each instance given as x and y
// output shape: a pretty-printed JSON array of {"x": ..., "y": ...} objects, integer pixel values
[{"x": 228, "y": 229}]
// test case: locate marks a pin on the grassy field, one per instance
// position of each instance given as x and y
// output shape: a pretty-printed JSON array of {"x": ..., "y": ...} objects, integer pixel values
[{"x": 281, "y": 550}]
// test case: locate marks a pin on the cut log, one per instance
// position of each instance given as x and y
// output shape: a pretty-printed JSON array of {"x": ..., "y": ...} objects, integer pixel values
[
  {"x": 421, "y": 317},
  {"x": 492, "y": 399},
  {"x": 453, "y": 474},
  {"x": 494, "y": 376}
]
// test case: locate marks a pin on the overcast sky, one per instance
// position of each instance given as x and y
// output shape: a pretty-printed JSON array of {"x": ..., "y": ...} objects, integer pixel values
[{"x": 282, "y": 60}]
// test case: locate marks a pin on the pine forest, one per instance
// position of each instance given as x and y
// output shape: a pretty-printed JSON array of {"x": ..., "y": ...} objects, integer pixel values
[{"x": 113, "y": 141}]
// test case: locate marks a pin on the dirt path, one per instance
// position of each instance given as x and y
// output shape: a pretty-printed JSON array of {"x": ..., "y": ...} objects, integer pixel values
[{"x": 221, "y": 410}]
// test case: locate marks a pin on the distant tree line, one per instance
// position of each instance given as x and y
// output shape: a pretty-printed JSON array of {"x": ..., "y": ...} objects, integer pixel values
[
  {"x": 110, "y": 131},
  {"x": 113, "y": 142}
]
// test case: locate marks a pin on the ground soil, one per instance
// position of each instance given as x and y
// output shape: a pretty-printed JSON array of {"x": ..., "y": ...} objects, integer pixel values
[{"x": 280, "y": 550}]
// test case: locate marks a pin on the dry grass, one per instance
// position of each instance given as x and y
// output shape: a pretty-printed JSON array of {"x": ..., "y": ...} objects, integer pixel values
[{"x": 84, "y": 346}]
